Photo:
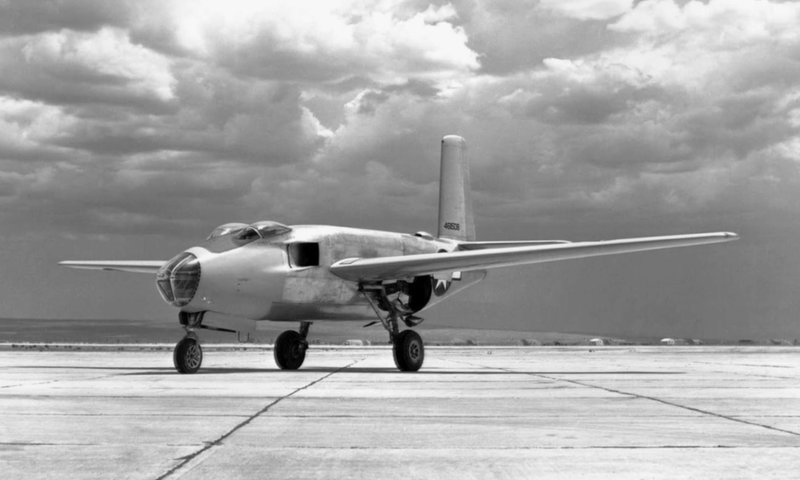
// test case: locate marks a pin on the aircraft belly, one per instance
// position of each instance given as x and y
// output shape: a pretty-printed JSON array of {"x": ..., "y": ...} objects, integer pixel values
[{"x": 294, "y": 312}]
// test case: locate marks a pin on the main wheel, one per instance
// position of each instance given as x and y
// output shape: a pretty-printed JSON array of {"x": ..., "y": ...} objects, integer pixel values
[
  {"x": 290, "y": 350},
  {"x": 188, "y": 355},
  {"x": 408, "y": 350}
]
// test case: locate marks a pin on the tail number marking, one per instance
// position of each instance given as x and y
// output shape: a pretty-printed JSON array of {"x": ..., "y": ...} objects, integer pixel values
[{"x": 452, "y": 226}]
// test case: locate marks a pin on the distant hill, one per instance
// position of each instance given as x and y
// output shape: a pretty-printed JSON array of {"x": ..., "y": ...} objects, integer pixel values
[
  {"x": 14, "y": 330},
  {"x": 149, "y": 331}
]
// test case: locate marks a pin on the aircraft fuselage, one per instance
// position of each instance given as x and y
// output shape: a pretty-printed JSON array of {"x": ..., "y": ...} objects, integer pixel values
[{"x": 285, "y": 277}]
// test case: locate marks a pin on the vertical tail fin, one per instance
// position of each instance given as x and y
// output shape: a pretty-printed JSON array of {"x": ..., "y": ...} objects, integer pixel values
[{"x": 455, "y": 201}]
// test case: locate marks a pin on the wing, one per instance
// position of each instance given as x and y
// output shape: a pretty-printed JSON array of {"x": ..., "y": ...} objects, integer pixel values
[
  {"x": 506, "y": 244},
  {"x": 136, "y": 266},
  {"x": 387, "y": 268}
]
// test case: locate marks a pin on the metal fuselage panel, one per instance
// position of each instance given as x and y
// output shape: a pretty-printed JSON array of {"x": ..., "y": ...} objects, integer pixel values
[
  {"x": 258, "y": 280},
  {"x": 241, "y": 282}
]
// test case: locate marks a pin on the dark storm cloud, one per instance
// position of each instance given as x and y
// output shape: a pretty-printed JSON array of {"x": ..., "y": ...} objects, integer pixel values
[
  {"x": 140, "y": 196},
  {"x": 517, "y": 36},
  {"x": 69, "y": 68},
  {"x": 20, "y": 17},
  {"x": 586, "y": 105},
  {"x": 164, "y": 85}
]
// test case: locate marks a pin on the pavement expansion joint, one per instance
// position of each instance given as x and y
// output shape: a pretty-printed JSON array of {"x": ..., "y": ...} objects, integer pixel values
[
  {"x": 146, "y": 415},
  {"x": 647, "y": 397},
  {"x": 46, "y": 444},
  {"x": 686, "y": 407},
  {"x": 187, "y": 462},
  {"x": 61, "y": 380}
]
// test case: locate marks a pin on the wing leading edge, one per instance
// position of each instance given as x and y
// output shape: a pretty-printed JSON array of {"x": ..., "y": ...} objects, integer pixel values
[
  {"x": 388, "y": 268},
  {"x": 136, "y": 266}
]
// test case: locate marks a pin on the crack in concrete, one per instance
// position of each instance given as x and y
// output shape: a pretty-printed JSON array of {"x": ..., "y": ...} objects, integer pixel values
[
  {"x": 82, "y": 379},
  {"x": 678, "y": 405},
  {"x": 647, "y": 397},
  {"x": 215, "y": 443}
]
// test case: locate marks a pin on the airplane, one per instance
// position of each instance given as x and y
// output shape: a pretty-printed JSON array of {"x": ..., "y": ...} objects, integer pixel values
[{"x": 310, "y": 273}]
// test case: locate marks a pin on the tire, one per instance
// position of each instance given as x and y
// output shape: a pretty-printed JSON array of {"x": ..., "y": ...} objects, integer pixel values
[
  {"x": 187, "y": 356},
  {"x": 289, "y": 350},
  {"x": 409, "y": 351}
]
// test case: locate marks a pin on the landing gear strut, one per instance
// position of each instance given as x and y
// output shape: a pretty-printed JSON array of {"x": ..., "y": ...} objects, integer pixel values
[
  {"x": 188, "y": 354},
  {"x": 407, "y": 347},
  {"x": 290, "y": 348}
]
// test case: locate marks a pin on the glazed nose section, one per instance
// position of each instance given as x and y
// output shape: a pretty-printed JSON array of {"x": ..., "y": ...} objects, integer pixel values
[{"x": 178, "y": 279}]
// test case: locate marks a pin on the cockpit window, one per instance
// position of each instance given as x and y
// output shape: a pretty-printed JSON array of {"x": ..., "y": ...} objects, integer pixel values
[
  {"x": 255, "y": 231},
  {"x": 247, "y": 234},
  {"x": 270, "y": 229},
  {"x": 226, "y": 229}
]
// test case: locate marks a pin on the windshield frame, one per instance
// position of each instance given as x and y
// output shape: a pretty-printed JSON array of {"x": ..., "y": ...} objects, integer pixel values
[{"x": 259, "y": 231}]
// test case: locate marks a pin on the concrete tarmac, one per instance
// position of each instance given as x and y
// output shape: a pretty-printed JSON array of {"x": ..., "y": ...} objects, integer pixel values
[{"x": 479, "y": 412}]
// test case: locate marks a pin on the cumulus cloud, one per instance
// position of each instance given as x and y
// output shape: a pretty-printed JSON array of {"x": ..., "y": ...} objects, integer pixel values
[
  {"x": 637, "y": 121},
  {"x": 68, "y": 67},
  {"x": 380, "y": 41},
  {"x": 23, "y": 17},
  {"x": 27, "y": 129},
  {"x": 589, "y": 9},
  {"x": 604, "y": 103},
  {"x": 135, "y": 103}
]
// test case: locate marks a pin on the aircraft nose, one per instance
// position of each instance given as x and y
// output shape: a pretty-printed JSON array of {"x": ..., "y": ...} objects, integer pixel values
[{"x": 178, "y": 279}]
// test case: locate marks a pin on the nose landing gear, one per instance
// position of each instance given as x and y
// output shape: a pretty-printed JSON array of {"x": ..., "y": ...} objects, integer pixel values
[{"x": 188, "y": 354}]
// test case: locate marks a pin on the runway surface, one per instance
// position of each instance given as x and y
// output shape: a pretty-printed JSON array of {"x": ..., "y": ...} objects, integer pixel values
[{"x": 480, "y": 412}]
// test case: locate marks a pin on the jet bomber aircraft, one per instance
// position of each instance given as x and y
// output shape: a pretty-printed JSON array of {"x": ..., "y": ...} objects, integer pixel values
[{"x": 312, "y": 273}]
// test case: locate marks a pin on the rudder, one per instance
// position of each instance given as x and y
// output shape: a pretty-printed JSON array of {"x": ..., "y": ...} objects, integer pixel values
[{"x": 455, "y": 201}]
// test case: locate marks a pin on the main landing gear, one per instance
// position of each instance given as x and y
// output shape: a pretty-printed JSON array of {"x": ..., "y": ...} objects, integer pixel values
[
  {"x": 407, "y": 347},
  {"x": 290, "y": 348},
  {"x": 408, "y": 351}
]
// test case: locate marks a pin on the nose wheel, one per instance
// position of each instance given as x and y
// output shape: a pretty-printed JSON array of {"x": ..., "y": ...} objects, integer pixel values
[{"x": 188, "y": 355}]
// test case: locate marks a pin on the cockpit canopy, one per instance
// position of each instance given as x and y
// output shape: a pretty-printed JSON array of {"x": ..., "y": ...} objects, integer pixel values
[
  {"x": 234, "y": 235},
  {"x": 247, "y": 233},
  {"x": 225, "y": 229},
  {"x": 263, "y": 229}
]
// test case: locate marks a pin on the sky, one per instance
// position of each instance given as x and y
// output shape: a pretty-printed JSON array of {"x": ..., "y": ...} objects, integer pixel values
[{"x": 130, "y": 129}]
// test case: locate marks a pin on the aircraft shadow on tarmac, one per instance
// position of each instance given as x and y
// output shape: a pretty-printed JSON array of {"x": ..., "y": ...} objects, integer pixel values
[{"x": 133, "y": 371}]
